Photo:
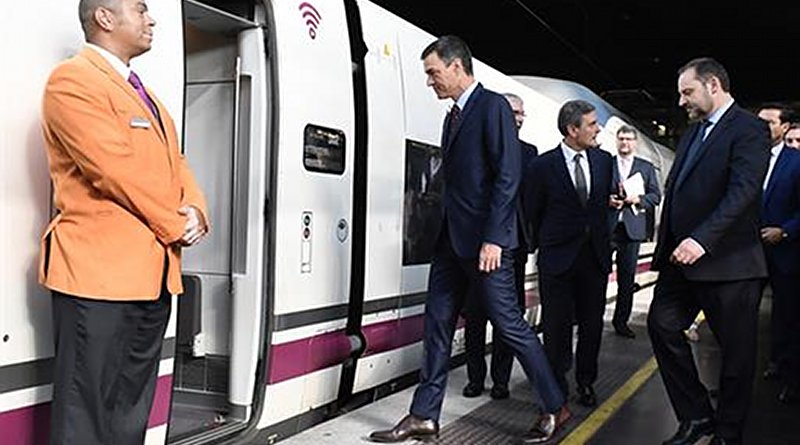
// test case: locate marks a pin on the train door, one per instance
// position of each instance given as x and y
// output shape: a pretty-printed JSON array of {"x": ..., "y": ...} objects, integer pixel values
[{"x": 226, "y": 127}]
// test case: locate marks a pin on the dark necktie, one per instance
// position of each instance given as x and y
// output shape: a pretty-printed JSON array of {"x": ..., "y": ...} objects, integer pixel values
[
  {"x": 134, "y": 80},
  {"x": 580, "y": 181},
  {"x": 693, "y": 151},
  {"x": 455, "y": 115}
]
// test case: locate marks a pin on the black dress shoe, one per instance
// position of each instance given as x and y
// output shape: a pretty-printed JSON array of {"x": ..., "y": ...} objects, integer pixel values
[
  {"x": 546, "y": 426},
  {"x": 789, "y": 394},
  {"x": 472, "y": 390},
  {"x": 690, "y": 431},
  {"x": 624, "y": 331},
  {"x": 410, "y": 427},
  {"x": 499, "y": 392},
  {"x": 586, "y": 396},
  {"x": 772, "y": 372}
]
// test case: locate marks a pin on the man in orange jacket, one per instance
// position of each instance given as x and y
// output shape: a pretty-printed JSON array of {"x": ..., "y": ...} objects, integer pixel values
[{"x": 127, "y": 203}]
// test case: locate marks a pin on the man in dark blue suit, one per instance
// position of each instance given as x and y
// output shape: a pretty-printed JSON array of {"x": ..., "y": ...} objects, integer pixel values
[
  {"x": 567, "y": 204},
  {"x": 474, "y": 248},
  {"x": 709, "y": 254},
  {"x": 629, "y": 220},
  {"x": 475, "y": 329},
  {"x": 780, "y": 233}
]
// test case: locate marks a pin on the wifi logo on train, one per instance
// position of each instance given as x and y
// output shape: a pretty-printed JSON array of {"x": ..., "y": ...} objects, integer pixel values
[{"x": 312, "y": 18}]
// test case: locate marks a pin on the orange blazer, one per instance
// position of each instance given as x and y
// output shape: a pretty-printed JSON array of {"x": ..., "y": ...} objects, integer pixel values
[{"x": 118, "y": 182}]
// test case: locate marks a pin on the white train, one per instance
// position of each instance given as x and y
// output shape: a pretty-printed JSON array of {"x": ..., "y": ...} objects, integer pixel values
[{"x": 311, "y": 130}]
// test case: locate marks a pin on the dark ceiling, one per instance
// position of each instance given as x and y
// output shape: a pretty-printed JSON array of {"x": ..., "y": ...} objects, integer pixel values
[{"x": 627, "y": 51}]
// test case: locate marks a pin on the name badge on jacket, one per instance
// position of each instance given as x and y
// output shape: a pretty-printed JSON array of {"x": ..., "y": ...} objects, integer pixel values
[{"x": 139, "y": 122}]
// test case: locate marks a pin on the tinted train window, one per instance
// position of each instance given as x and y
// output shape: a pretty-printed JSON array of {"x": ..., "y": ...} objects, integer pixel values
[
  {"x": 422, "y": 203},
  {"x": 323, "y": 149}
]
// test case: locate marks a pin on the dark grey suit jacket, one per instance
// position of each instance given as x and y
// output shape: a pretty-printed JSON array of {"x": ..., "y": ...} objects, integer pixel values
[{"x": 636, "y": 224}]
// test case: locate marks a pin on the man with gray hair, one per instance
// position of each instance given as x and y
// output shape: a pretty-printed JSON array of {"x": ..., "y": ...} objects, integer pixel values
[
  {"x": 127, "y": 204},
  {"x": 566, "y": 201},
  {"x": 475, "y": 328}
]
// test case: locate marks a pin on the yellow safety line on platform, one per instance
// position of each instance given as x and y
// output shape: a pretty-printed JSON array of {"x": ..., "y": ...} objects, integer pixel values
[{"x": 600, "y": 416}]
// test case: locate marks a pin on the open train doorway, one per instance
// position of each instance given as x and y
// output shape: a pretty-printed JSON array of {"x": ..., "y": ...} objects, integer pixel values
[{"x": 225, "y": 140}]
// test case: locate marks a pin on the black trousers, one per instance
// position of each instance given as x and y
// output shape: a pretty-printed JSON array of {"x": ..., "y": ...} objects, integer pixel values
[
  {"x": 580, "y": 294},
  {"x": 475, "y": 333},
  {"x": 106, "y": 365},
  {"x": 731, "y": 309},
  {"x": 784, "y": 312},
  {"x": 626, "y": 261}
]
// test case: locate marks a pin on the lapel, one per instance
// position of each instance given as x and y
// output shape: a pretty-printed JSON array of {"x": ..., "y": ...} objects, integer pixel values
[
  {"x": 777, "y": 170},
  {"x": 708, "y": 144},
  {"x": 615, "y": 170},
  {"x": 98, "y": 61},
  {"x": 563, "y": 173},
  {"x": 451, "y": 134},
  {"x": 597, "y": 187}
]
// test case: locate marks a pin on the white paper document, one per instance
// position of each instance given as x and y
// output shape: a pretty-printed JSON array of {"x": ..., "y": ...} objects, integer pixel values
[{"x": 634, "y": 186}]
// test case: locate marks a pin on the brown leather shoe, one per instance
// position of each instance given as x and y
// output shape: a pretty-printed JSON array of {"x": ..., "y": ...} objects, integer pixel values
[
  {"x": 411, "y": 427},
  {"x": 546, "y": 426}
]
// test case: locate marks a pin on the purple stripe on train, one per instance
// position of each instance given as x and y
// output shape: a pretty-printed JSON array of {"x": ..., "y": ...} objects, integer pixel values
[
  {"x": 31, "y": 425},
  {"x": 304, "y": 356}
]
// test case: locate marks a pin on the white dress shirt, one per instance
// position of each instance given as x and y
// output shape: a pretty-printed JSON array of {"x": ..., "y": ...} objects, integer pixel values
[
  {"x": 115, "y": 62},
  {"x": 774, "y": 153},
  {"x": 569, "y": 158}
]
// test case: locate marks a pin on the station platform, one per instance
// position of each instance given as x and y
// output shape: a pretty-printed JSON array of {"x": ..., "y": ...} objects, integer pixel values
[{"x": 632, "y": 404}]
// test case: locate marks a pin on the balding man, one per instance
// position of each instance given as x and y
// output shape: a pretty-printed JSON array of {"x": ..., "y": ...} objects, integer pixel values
[{"x": 127, "y": 203}]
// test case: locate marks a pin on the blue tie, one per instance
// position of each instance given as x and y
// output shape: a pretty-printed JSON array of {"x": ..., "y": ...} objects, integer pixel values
[{"x": 693, "y": 151}]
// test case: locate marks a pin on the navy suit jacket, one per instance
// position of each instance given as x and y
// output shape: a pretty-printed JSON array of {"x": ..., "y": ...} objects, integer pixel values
[
  {"x": 781, "y": 208},
  {"x": 561, "y": 224},
  {"x": 529, "y": 153},
  {"x": 636, "y": 225},
  {"x": 717, "y": 203},
  {"x": 482, "y": 175}
]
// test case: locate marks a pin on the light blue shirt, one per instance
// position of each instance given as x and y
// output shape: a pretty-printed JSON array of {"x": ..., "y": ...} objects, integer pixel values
[
  {"x": 715, "y": 117},
  {"x": 464, "y": 97}
]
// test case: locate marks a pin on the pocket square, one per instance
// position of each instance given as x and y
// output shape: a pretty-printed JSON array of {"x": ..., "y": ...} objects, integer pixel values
[{"x": 139, "y": 122}]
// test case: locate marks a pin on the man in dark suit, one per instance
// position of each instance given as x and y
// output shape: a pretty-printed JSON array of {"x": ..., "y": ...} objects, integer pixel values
[
  {"x": 475, "y": 329},
  {"x": 567, "y": 204},
  {"x": 475, "y": 245},
  {"x": 629, "y": 220},
  {"x": 709, "y": 255},
  {"x": 780, "y": 219}
]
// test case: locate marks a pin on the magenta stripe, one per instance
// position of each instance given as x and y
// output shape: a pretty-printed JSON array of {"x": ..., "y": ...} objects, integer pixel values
[
  {"x": 31, "y": 425},
  {"x": 300, "y": 357}
]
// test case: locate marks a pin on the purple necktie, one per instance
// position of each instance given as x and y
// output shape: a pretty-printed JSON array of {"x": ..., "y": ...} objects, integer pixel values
[{"x": 134, "y": 80}]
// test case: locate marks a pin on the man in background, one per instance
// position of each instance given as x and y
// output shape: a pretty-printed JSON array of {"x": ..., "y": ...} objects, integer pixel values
[
  {"x": 629, "y": 219},
  {"x": 475, "y": 329}
]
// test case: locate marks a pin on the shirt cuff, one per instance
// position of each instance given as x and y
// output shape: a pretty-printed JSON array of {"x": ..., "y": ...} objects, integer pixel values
[{"x": 698, "y": 245}]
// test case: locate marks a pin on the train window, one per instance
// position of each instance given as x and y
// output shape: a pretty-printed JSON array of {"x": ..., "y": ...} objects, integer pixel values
[
  {"x": 422, "y": 203},
  {"x": 323, "y": 149}
]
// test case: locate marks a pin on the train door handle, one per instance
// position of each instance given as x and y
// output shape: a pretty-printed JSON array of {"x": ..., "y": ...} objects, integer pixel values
[{"x": 342, "y": 230}]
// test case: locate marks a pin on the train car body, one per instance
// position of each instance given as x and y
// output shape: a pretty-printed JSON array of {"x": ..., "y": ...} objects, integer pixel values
[{"x": 310, "y": 129}]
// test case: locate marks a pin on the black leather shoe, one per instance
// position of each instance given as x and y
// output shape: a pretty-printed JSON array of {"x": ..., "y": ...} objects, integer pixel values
[
  {"x": 586, "y": 396},
  {"x": 624, "y": 331},
  {"x": 410, "y": 427},
  {"x": 546, "y": 426},
  {"x": 472, "y": 390},
  {"x": 690, "y": 431},
  {"x": 789, "y": 394},
  {"x": 499, "y": 392},
  {"x": 772, "y": 372}
]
